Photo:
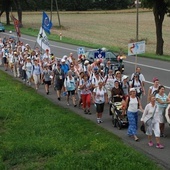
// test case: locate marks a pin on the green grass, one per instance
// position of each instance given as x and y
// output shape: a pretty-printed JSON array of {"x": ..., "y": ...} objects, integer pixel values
[
  {"x": 37, "y": 134},
  {"x": 55, "y": 37}
]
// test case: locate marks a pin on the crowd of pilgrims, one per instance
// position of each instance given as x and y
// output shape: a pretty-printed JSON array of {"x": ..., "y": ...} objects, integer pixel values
[{"x": 83, "y": 83}]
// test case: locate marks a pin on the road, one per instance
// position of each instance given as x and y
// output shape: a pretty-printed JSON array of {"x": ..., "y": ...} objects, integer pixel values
[{"x": 150, "y": 68}]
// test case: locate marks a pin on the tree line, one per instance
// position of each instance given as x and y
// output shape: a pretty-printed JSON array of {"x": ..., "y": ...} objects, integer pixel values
[
  {"x": 74, "y": 5},
  {"x": 160, "y": 8}
]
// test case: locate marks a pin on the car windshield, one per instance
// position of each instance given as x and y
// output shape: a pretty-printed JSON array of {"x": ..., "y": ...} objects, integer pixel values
[{"x": 1, "y": 24}]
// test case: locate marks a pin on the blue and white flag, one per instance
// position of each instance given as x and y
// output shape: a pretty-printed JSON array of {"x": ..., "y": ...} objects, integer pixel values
[{"x": 46, "y": 23}]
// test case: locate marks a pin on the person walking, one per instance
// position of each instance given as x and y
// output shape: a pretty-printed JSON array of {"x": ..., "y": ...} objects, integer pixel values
[
  {"x": 46, "y": 78},
  {"x": 58, "y": 78},
  {"x": 100, "y": 98},
  {"x": 138, "y": 85},
  {"x": 70, "y": 87},
  {"x": 28, "y": 68},
  {"x": 85, "y": 87},
  {"x": 154, "y": 88},
  {"x": 151, "y": 112},
  {"x": 162, "y": 101},
  {"x": 36, "y": 72},
  {"x": 132, "y": 104}
]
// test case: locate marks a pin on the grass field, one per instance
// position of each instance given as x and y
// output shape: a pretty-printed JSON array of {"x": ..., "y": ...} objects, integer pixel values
[
  {"x": 108, "y": 28},
  {"x": 36, "y": 135}
]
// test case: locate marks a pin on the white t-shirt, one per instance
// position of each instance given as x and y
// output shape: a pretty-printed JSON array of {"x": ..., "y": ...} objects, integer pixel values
[
  {"x": 141, "y": 77},
  {"x": 86, "y": 89},
  {"x": 109, "y": 82},
  {"x": 99, "y": 97},
  {"x": 96, "y": 81},
  {"x": 152, "y": 88}
]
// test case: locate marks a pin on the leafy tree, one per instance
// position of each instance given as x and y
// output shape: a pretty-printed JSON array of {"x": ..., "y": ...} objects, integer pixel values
[
  {"x": 6, "y": 8},
  {"x": 160, "y": 8}
]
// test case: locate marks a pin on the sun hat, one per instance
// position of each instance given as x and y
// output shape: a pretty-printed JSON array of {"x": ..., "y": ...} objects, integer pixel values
[
  {"x": 124, "y": 77},
  {"x": 65, "y": 56},
  {"x": 86, "y": 62},
  {"x": 63, "y": 60},
  {"x": 118, "y": 72},
  {"x": 132, "y": 89}
]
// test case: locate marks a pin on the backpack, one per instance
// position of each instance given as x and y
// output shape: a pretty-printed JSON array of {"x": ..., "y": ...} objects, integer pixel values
[
  {"x": 154, "y": 92},
  {"x": 34, "y": 67},
  {"x": 108, "y": 76}
]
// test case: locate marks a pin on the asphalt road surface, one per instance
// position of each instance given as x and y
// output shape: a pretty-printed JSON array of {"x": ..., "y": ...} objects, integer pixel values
[{"x": 150, "y": 68}]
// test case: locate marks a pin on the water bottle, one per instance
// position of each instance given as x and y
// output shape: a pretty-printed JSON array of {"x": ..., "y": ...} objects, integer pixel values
[{"x": 65, "y": 93}]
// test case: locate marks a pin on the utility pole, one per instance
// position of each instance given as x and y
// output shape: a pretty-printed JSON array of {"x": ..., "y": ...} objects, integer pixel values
[
  {"x": 137, "y": 20},
  {"x": 58, "y": 13},
  {"x": 51, "y": 12}
]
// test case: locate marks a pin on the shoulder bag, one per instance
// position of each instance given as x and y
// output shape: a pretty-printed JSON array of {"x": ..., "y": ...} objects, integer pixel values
[{"x": 149, "y": 121}]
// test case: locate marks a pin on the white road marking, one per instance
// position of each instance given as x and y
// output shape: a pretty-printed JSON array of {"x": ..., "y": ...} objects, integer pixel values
[{"x": 157, "y": 68}]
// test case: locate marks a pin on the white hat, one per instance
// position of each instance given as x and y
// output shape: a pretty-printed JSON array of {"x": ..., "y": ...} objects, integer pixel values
[
  {"x": 63, "y": 60},
  {"x": 65, "y": 56},
  {"x": 124, "y": 77},
  {"x": 132, "y": 89},
  {"x": 86, "y": 62}
]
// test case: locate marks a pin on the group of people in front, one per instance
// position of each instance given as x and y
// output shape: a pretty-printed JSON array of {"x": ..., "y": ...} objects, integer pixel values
[{"x": 91, "y": 83}]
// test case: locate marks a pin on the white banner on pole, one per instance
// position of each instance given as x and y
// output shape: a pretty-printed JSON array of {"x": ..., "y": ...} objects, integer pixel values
[
  {"x": 42, "y": 40},
  {"x": 136, "y": 48}
]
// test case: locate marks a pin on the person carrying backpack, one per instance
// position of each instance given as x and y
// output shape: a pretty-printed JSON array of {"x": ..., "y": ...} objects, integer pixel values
[{"x": 138, "y": 85}]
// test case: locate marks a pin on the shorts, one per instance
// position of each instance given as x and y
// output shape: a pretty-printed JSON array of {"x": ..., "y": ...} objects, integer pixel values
[
  {"x": 59, "y": 85},
  {"x": 99, "y": 107},
  {"x": 71, "y": 92},
  {"x": 5, "y": 60},
  {"x": 47, "y": 82}
]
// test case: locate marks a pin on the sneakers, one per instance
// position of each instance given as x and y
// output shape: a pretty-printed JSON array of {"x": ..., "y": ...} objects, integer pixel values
[
  {"x": 99, "y": 121},
  {"x": 68, "y": 104},
  {"x": 150, "y": 143},
  {"x": 163, "y": 135},
  {"x": 159, "y": 146},
  {"x": 89, "y": 112}
]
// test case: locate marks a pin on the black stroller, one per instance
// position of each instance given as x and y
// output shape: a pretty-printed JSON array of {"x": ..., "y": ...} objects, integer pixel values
[{"x": 118, "y": 119}]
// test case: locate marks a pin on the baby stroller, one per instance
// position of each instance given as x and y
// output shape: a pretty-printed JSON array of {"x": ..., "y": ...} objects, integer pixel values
[{"x": 118, "y": 119}]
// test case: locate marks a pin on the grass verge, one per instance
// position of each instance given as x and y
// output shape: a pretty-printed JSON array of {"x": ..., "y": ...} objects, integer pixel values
[{"x": 36, "y": 134}]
